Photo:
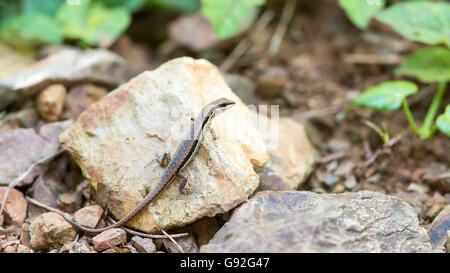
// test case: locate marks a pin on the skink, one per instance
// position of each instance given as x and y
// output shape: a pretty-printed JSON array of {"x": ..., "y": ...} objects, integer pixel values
[{"x": 183, "y": 156}]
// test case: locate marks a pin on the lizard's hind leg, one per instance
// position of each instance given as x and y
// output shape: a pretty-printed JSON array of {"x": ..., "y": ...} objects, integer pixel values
[{"x": 182, "y": 186}]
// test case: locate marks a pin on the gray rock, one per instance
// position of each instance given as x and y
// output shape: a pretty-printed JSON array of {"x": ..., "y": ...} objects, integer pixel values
[
  {"x": 143, "y": 245},
  {"x": 307, "y": 222},
  {"x": 439, "y": 228},
  {"x": 67, "y": 66},
  {"x": 20, "y": 148}
]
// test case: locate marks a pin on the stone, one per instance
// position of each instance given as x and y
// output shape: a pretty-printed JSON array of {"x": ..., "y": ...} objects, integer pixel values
[
  {"x": 193, "y": 31},
  {"x": 293, "y": 221},
  {"x": 50, "y": 231},
  {"x": 69, "y": 202},
  {"x": 143, "y": 245},
  {"x": 24, "y": 249},
  {"x": 121, "y": 136},
  {"x": 438, "y": 175},
  {"x": 27, "y": 117},
  {"x": 108, "y": 238},
  {"x": 242, "y": 86},
  {"x": 272, "y": 82},
  {"x": 21, "y": 148},
  {"x": 11, "y": 249},
  {"x": 88, "y": 216},
  {"x": 448, "y": 241},
  {"x": 80, "y": 98},
  {"x": 439, "y": 227},
  {"x": 291, "y": 161},
  {"x": 68, "y": 66},
  {"x": 15, "y": 209},
  {"x": 25, "y": 235},
  {"x": 187, "y": 243},
  {"x": 50, "y": 102},
  {"x": 11, "y": 62}
]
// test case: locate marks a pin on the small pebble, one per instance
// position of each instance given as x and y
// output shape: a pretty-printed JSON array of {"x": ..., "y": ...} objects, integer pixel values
[
  {"x": 108, "y": 238},
  {"x": 350, "y": 182}
]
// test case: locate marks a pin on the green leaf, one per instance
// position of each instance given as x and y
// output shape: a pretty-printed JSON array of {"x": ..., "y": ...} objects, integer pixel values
[
  {"x": 431, "y": 64},
  {"x": 422, "y": 21},
  {"x": 31, "y": 27},
  {"x": 132, "y": 5},
  {"x": 443, "y": 121},
  {"x": 48, "y": 7},
  {"x": 360, "y": 12},
  {"x": 8, "y": 8},
  {"x": 227, "y": 15},
  {"x": 386, "y": 96},
  {"x": 176, "y": 5},
  {"x": 93, "y": 23}
]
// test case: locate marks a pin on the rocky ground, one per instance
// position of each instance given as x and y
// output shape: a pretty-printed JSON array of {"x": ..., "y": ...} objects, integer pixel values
[{"x": 80, "y": 132}]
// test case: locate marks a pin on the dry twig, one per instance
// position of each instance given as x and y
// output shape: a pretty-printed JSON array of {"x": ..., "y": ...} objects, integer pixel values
[
  {"x": 245, "y": 43},
  {"x": 278, "y": 36},
  {"x": 13, "y": 183}
]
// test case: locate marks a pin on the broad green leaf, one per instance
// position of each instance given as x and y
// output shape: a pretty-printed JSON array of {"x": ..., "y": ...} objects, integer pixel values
[
  {"x": 176, "y": 5},
  {"x": 386, "y": 96},
  {"x": 422, "y": 21},
  {"x": 8, "y": 8},
  {"x": 227, "y": 15},
  {"x": 132, "y": 5},
  {"x": 48, "y": 7},
  {"x": 443, "y": 121},
  {"x": 31, "y": 27},
  {"x": 93, "y": 23},
  {"x": 360, "y": 12},
  {"x": 431, "y": 64}
]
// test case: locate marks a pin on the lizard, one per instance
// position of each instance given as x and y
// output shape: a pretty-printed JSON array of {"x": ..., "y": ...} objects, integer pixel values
[{"x": 183, "y": 156}]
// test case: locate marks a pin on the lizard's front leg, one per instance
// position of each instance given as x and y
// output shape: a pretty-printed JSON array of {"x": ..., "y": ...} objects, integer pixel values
[{"x": 163, "y": 161}]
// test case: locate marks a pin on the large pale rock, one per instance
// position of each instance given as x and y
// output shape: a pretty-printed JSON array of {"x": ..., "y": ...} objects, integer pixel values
[
  {"x": 291, "y": 160},
  {"x": 151, "y": 114},
  {"x": 307, "y": 222},
  {"x": 20, "y": 148},
  {"x": 68, "y": 66}
]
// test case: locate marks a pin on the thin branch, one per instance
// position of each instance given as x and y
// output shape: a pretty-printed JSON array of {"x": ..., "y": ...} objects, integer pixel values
[
  {"x": 245, "y": 43},
  {"x": 146, "y": 235},
  {"x": 278, "y": 36},
  {"x": 379, "y": 59},
  {"x": 167, "y": 236},
  {"x": 177, "y": 246},
  {"x": 16, "y": 181}
]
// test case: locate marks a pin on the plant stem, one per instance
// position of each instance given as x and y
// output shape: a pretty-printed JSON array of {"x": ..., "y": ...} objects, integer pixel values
[
  {"x": 410, "y": 118},
  {"x": 429, "y": 119}
]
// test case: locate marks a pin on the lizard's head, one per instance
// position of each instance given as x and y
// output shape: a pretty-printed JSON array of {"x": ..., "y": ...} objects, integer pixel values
[{"x": 216, "y": 107}]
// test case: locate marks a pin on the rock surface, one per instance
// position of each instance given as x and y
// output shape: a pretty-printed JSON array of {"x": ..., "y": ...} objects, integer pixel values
[
  {"x": 20, "y": 148},
  {"x": 135, "y": 124},
  {"x": 108, "y": 238},
  {"x": 80, "y": 98},
  {"x": 143, "y": 245},
  {"x": 68, "y": 66},
  {"x": 50, "y": 230},
  {"x": 50, "y": 102},
  {"x": 307, "y": 222},
  {"x": 439, "y": 227},
  {"x": 88, "y": 216},
  {"x": 292, "y": 160},
  {"x": 15, "y": 209}
]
